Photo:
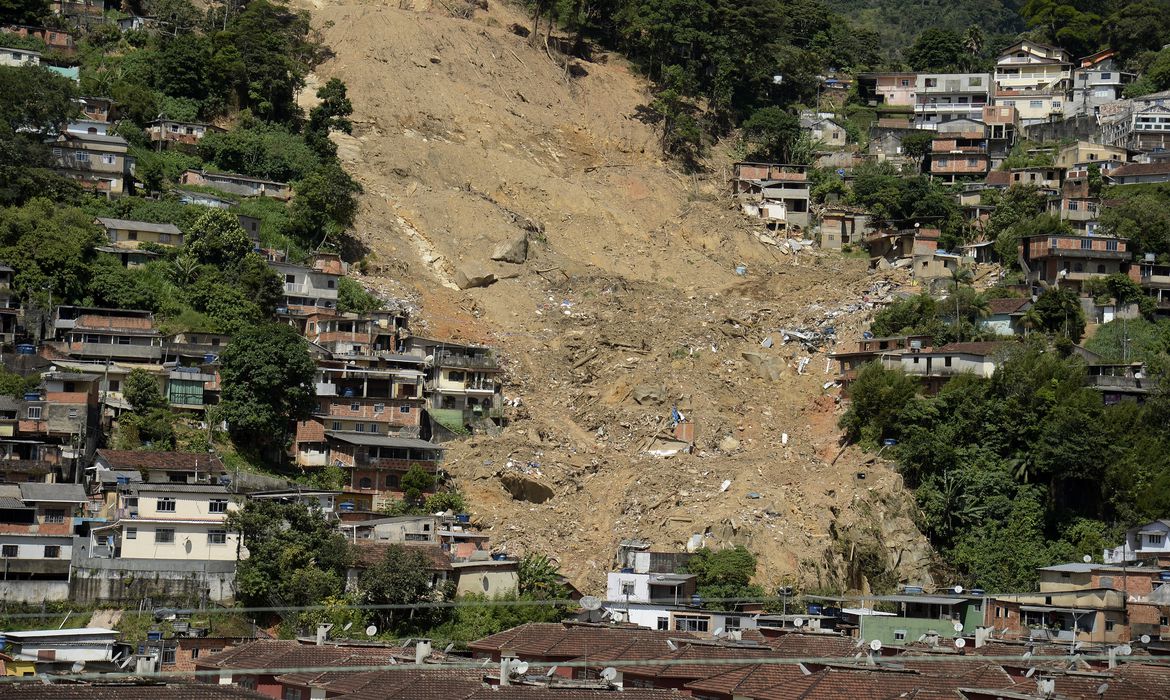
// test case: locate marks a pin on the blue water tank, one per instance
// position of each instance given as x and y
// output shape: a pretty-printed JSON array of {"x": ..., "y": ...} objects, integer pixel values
[
  {"x": 346, "y": 506},
  {"x": 1165, "y": 575},
  {"x": 26, "y": 349},
  {"x": 627, "y": 569},
  {"x": 32, "y": 396},
  {"x": 912, "y": 590},
  {"x": 463, "y": 518},
  {"x": 153, "y": 635},
  {"x": 209, "y": 358},
  {"x": 814, "y": 608}
]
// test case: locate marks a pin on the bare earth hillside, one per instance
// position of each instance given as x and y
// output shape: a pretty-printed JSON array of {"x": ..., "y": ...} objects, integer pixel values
[{"x": 467, "y": 137}]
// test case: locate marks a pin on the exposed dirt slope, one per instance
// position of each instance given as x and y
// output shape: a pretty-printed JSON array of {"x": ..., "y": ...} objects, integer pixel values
[{"x": 466, "y": 137}]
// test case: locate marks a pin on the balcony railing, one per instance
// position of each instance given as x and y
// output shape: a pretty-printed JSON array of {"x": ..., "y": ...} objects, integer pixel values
[{"x": 445, "y": 359}]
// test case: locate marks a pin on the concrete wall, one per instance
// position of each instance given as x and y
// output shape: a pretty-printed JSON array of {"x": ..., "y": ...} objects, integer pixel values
[
  {"x": 33, "y": 591},
  {"x": 97, "y": 580}
]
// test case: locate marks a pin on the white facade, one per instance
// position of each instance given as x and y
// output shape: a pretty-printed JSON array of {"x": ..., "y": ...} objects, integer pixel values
[
  {"x": 87, "y": 644},
  {"x": 942, "y": 97},
  {"x": 940, "y": 364},
  {"x": 19, "y": 57},
  {"x": 1150, "y": 539},
  {"x": 681, "y": 619},
  {"x": 37, "y": 547},
  {"x": 304, "y": 286},
  {"x": 1035, "y": 79},
  {"x": 172, "y": 521}
]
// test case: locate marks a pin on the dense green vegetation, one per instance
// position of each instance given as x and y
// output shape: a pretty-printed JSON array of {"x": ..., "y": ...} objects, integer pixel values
[{"x": 1024, "y": 469}]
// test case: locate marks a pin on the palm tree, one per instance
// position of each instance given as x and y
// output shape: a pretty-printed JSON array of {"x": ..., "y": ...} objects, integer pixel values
[
  {"x": 539, "y": 576},
  {"x": 1030, "y": 321},
  {"x": 960, "y": 276}
]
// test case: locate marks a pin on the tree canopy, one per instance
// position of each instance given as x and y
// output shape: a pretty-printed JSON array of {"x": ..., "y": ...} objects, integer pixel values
[{"x": 268, "y": 381}]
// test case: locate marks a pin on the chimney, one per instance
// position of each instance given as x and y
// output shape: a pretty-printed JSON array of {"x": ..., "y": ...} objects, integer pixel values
[
  {"x": 323, "y": 632},
  {"x": 506, "y": 659},
  {"x": 422, "y": 650}
]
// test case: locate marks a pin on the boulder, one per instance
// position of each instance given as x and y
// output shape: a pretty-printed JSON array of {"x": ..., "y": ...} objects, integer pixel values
[
  {"x": 644, "y": 394},
  {"x": 728, "y": 444},
  {"x": 513, "y": 251},
  {"x": 769, "y": 368},
  {"x": 468, "y": 278},
  {"x": 524, "y": 488}
]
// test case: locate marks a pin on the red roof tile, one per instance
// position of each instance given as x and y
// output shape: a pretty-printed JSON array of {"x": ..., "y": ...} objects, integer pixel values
[
  {"x": 370, "y": 552},
  {"x": 125, "y": 460},
  {"x": 35, "y": 690},
  {"x": 1139, "y": 169},
  {"x": 115, "y": 323},
  {"x": 1007, "y": 305},
  {"x": 569, "y": 640}
]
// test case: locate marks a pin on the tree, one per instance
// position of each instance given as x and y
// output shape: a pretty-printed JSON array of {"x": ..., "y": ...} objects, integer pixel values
[
  {"x": 353, "y": 298},
  {"x": 877, "y": 399},
  {"x": 324, "y": 205},
  {"x": 1060, "y": 312},
  {"x": 35, "y": 99},
  {"x": 268, "y": 381},
  {"x": 774, "y": 134},
  {"x": 402, "y": 577},
  {"x": 1131, "y": 340},
  {"x": 725, "y": 574},
  {"x": 540, "y": 578},
  {"x": 216, "y": 238},
  {"x": 937, "y": 51},
  {"x": 916, "y": 145},
  {"x": 1143, "y": 219},
  {"x": 141, "y": 391},
  {"x": 444, "y": 501},
  {"x": 415, "y": 482},
  {"x": 960, "y": 275},
  {"x": 332, "y": 114},
  {"x": 295, "y": 556},
  {"x": 32, "y": 12},
  {"x": 50, "y": 248},
  {"x": 261, "y": 150},
  {"x": 674, "y": 112}
]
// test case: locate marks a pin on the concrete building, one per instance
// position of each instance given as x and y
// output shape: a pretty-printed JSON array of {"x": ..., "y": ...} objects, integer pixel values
[
  {"x": 98, "y": 336},
  {"x": 1035, "y": 79},
  {"x": 1097, "y": 80},
  {"x": 943, "y": 97},
  {"x": 179, "y": 132},
  {"x": 956, "y": 155},
  {"x": 308, "y": 289},
  {"x": 234, "y": 183},
  {"x": 16, "y": 58},
  {"x": 98, "y": 163},
  {"x": 37, "y": 524},
  {"x": 888, "y": 89},
  {"x": 463, "y": 383},
  {"x": 934, "y": 367},
  {"x": 184, "y": 522},
  {"x": 1144, "y": 542},
  {"x": 57, "y": 650},
  {"x": 923, "y": 617},
  {"x": 1071, "y": 260}
]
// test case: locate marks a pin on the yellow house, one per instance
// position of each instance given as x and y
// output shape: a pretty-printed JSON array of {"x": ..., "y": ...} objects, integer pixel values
[
  {"x": 16, "y": 667},
  {"x": 171, "y": 521},
  {"x": 1033, "y": 78},
  {"x": 123, "y": 233}
]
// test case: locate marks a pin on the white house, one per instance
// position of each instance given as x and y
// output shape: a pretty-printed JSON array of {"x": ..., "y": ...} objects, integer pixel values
[
  {"x": 19, "y": 57},
  {"x": 171, "y": 522},
  {"x": 1151, "y": 539},
  {"x": 87, "y": 644}
]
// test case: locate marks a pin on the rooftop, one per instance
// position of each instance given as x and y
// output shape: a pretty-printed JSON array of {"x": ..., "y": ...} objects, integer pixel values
[
  {"x": 138, "y": 225},
  {"x": 160, "y": 461},
  {"x": 52, "y": 493}
]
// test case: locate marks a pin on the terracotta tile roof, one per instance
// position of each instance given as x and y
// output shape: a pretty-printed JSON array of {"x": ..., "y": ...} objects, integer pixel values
[
  {"x": 520, "y": 692},
  {"x": 370, "y": 552},
  {"x": 407, "y": 683},
  {"x": 748, "y": 679},
  {"x": 284, "y": 653},
  {"x": 1138, "y": 169},
  {"x": 1007, "y": 306},
  {"x": 536, "y": 639},
  {"x": 126, "y": 691},
  {"x": 116, "y": 323},
  {"x": 864, "y": 684},
  {"x": 795, "y": 645},
  {"x": 998, "y": 178},
  {"x": 697, "y": 653},
  {"x": 162, "y": 461},
  {"x": 986, "y": 347}
]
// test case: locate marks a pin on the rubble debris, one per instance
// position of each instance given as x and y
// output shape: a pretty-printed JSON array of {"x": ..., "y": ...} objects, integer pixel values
[
  {"x": 470, "y": 278},
  {"x": 525, "y": 488}
]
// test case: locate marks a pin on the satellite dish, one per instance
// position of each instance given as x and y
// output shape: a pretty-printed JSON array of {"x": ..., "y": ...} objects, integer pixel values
[
  {"x": 875, "y": 645},
  {"x": 618, "y": 616},
  {"x": 670, "y": 643},
  {"x": 798, "y": 622},
  {"x": 78, "y": 666},
  {"x": 551, "y": 670},
  {"x": 1125, "y": 650},
  {"x": 1027, "y": 654},
  {"x": 1102, "y": 688},
  {"x": 804, "y": 670},
  {"x": 1088, "y": 559},
  {"x": 1077, "y": 646},
  {"x": 449, "y": 648},
  {"x": 590, "y": 602},
  {"x": 958, "y": 626},
  {"x": 347, "y": 626},
  {"x": 921, "y": 637},
  {"x": 519, "y": 668},
  {"x": 371, "y": 630},
  {"x": 960, "y": 643},
  {"x": 609, "y": 674},
  {"x": 958, "y": 590},
  {"x": 718, "y": 631},
  {"x": 1145, "y": 639},
  {"x": 1029, "y": 672}
]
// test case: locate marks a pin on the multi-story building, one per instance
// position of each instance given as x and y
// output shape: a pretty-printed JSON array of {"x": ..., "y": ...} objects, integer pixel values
[
  {"x": 179, "y": 132},
  {"x": 36, "y": 539},
  {"x": 1035, "y": 79},
  {"x": 1147, "y": 542},
  {"x": 923, "y": 618},
  {"x": 9, "y": 306},
  {"x": 1069, "y": 261},
  {"x": 358, "y": 335},
  {"x": 942, "y": 97},
  {"x": 775, "y": 182},
  {"x": 463, "y": 384},
  {"x": 955, "y": 155},
  {"x": 98, "y": 109},
  {"x": 1140, "y": 124},
  {"x": 101, "y": 336},
  {"x": 170, "y": 521},
  {"x": 888, "y": 89},
  {"x": 309, "y": 289},
  {"x": 61, "y": 418},
  {"x": 1097, "y": 80},
  {"x": 126, "y": 239},
  {"x": 56, "y": 39},
  {"x": 99, "y": 163}
]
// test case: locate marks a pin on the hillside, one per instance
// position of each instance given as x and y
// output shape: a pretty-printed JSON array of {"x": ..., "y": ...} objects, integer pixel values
[{"x": 466, "y": 137}]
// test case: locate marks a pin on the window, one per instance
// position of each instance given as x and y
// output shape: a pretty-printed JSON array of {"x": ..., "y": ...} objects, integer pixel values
[
  {"x": 404, "y": 409},
  {"x": 54, "y": 515},
  {"x": 52, "y": 551},
  {"x": 931, "y": 82},
  {"x": 455, "y": 376},
  {"x": 1100, "y": 269},
  {"x": 1035, "y": 104},
  {"x": 355, "y": 406},
  {"x": 9, "y": 550},
  {"x": 217, "y": 505},
  {"x": 292, "y": 694},
  {"x": 168, "y": 655},
  {"x": 905, "y": 83},
  {"x": 164, "y": 238},
  {"x": 1155, "y": 539},
  {"x": 360, "y": 427},
  {"x": 942, "y": 162},
  {"x": 731, "y": 624},
  {"x": 627, "y": 588},
  {"x": 373, "y": 427},
  {"x": 165, "y": 505},
  {"x": 217, "y": 537},
  {"x": 290, "y": 279},
  {"x": 109, "y": 159},
  {"x": 1106, "y": 76},
  {"x": 164, "y": 535},
  {"x": 1164, "y": 621},
  {"x": 1074, "y": 205},
  {"x": 1109, "y": 625},
  {"x": 131, "y": 533},
  {"x": 34, "y": 412},
  {"x": 331, "y": 284},
  {"x": 972, "y": 162},
  {"x": 365, "y": 483},
  {"x": 975, "y": 82},
  {"x": 392, "y": 481},
  {"x": 115, "y": 385},
  {"x": 947, "y": 361},
  {"x": 336, "y": 425},
  {"x": 195, "y": 653},
  {"x": 379, "y": 408},
  {"x": 899, "y": 635},
  {"x": 132, "y": 235},
  {"x": 1111, "y": 246},
  {"x": 1086, "y": 244},
  {"x": 691, "y": 623},
  {"x": 664, "y": 623}
]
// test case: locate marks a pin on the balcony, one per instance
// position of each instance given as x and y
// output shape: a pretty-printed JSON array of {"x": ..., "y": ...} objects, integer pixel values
[
  {"x": 444, "y": 359},
  {"x": 104, "y": 350}
]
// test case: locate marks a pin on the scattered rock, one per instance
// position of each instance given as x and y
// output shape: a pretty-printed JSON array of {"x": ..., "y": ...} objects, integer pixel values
[
  {"x": 470, "y": 278},
  {"x": 728, "y": 444},
  {"x": 514, "y": 251},
  {"x": 523, "y": 488},
  {"x": 769, "y": 368},
  {"x": 644, "y": 394}
]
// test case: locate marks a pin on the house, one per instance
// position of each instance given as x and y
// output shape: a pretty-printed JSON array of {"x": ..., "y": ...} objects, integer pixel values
[
  {"x": 1004, "y": 315},
  {"x": 24, "y": 457},
  {"x": 1097, "y": 80},
  {"x": 888, "y": 89},
  {"x": 1154, "y": 280},
  {"x": 885, "y": 139},
  {"x": 99, "y": 163},
  {"x": 16, "y": 58},
  {"x": 179, "y": 522},
  {"x": 162, "y": 467},
  {"x": 57, "y": 40},
  {"x": 97, "y": 109},
  {"x": 401, "y": 529},
  {"x": 1076, "y": 205},
  {"x": 307, "y": 290},
  {"x": 1070, "y": 260},
  {"x": 319, "y": 500},
  {"x": 1079, "y": 155},
  {"x": 1117, "y": 382},
  {"x": 375, "y": 464},
  {"x": 10, "y": 310},
  {"x": 94, "y": 336},
  {"x": 464, "y": 383},
  {"x": 774, "y": 182},
  {"x": 943, "y": 97},
  {"x": 959, "y": 154},
  {"x": 63, "y": 413},
  {"x": 370, "y": 552},
  {"x": 1035, "y": 79},
  {"x": 1140, "y": 124},
  {"x": 1002, "y": 125},
  {"x": 841, "y": 226},
  {"x": 1049, "y": 178},
  {"x": 1139, "y": 173},
  {"x": 124, "y": 233},
  {"x": 936, "y": 366},
  {"x": 1148, "y": 541},
  {"x": 919, "y": 615},
  {"x": 37, "y": 523},
  {"x": 872, "y": 349},
  {"x": 824, "y": 130},
  {"x": 234, "y": 183},
  {"x": 170, "y": 131},
  {"x": 57, "y": 650},
  {"x": 352, "y": 335}
]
